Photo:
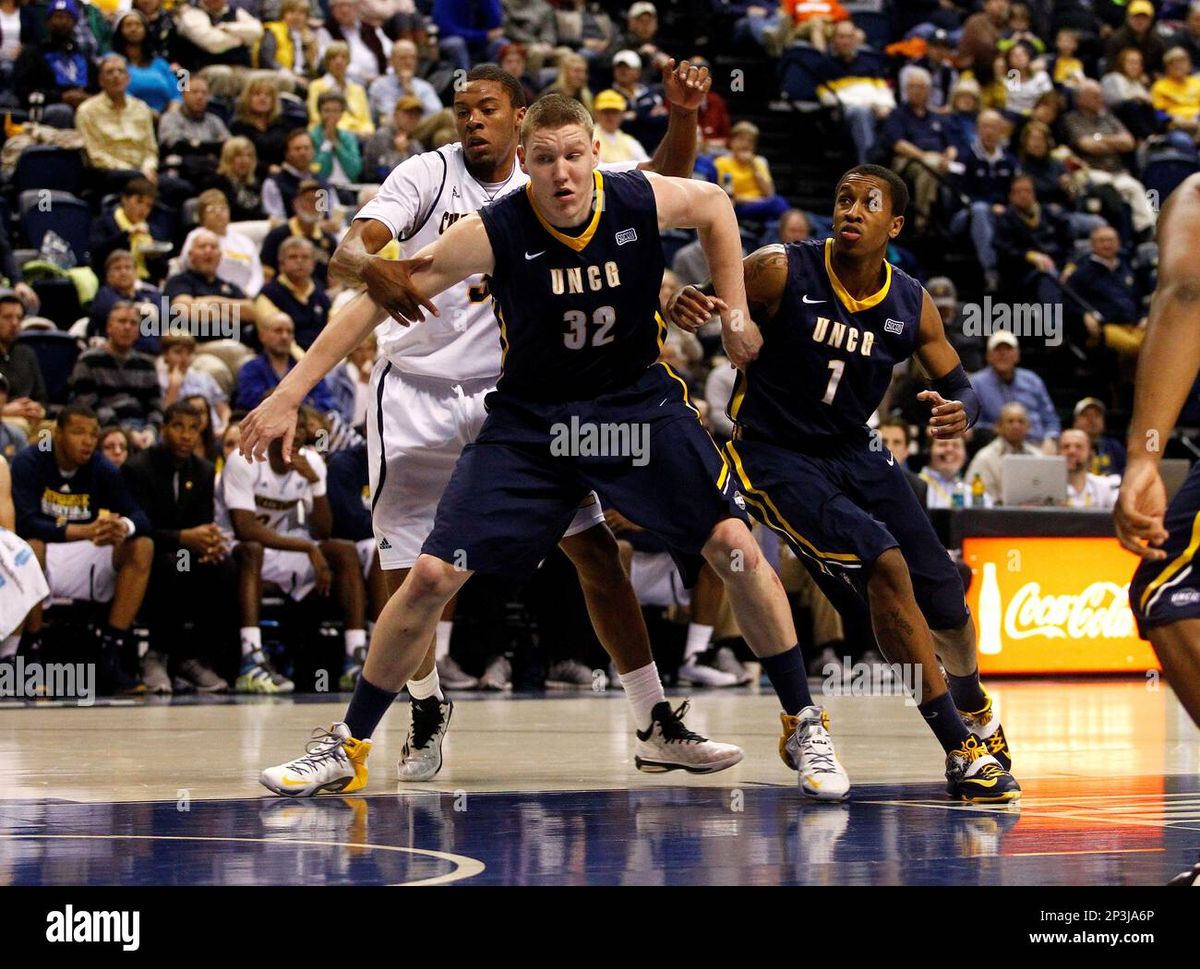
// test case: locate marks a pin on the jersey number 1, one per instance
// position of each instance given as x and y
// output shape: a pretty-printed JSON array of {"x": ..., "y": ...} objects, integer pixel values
[
  {"x": 837, "y": 366},
  {"x": 576, "y": 338}
]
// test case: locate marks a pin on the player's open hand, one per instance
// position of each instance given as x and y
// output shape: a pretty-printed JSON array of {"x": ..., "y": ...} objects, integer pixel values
[
  {"x": 1138, "y": 513},
  {"x": 321, "y": 570},
  {"x": 686, "y": 85},
  {"x": 390, "y": 284},
  {"x": 689, "y": 309},
  {"x": 948, "y": 419},
  {"x": 274, "y": 417},
  {"x": 742, "y": 338}
]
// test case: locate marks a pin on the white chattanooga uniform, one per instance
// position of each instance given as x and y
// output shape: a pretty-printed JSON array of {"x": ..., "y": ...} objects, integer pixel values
[
  {"x": 429, "y": 383},
  {"x": 22, "y": 585},
  {"x": 282, "y": 502}
]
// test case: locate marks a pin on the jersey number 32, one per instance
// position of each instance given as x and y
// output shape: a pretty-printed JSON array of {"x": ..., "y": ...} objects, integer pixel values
[{"x": 576, "y": 336}]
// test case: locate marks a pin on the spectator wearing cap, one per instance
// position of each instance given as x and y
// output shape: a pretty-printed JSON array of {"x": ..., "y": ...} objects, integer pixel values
[
  {"x": 467, "y": 27},
  {"x": 118, "y": 130},
  {"x": 338, "y": 159},
  {"x": 918, "y": 142},
  {"x": 122, "y": 285},
  {"x": 1033, "y": 243},
  {"x": 938, "y": 60},
  {"x": 258, "y": 377},
  {"x": 1138, "y": 31},
  {"x": 56, "y": 68},
  {"x": 294, "y": 291},
  {"x": 531, "y": 24},
  {"x": 1108, "y": 453},
  {"x": 240, "y": 263},
  {"x": 402, "y": 81},
  {"x": 1100, "y": 139},
  {"x": 393, "y": 142},
  {"x": 289, "y": 45},
  {"x": 990, "y": 168},
  {"x": 119, "y": 383},
  {"x": 1084, "y": 489},
  {"x": 19, "y": 366},
  {"x": 641, "y": 36},
  {"x": 585, "y": 28},
  {"x": 852, "y": 79},
  {"x": 1002, "y": 382},
  {"x": 1177, "y": 93},
  {"x": 216, "y": 38},
  {"x": 305, "y": 224},
  {"x": 204, "y": 295},
  {"x": 367, "y": 47},
  {"x": 1112, "y": 290},
  {"x": 1012, "y": 431},
  {"x": 356, "y": 111},
  {"x": 615, "y": 145},
  {"x": 280, "y": 189},
  {"x": 648, "y": 122},
  {"x": 12, "y": 434}
]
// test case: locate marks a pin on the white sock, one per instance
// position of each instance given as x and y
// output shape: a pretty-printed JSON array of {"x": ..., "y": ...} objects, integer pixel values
[
  {"x": 424, "y": 688},
  {"x": 251, "y": 640},
  {"x": 698, "y": 638},
  {"x": 441, "y": 648},
  {"x": 354, "y": 639},
  {"x": 8, "y": 647},
  {"x": 643, "y": 690}
]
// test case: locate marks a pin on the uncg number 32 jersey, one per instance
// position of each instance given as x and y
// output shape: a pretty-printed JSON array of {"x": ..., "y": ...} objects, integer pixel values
[
  {"x": 578, "y": 313},
  {"x": 827, "y": 358}
]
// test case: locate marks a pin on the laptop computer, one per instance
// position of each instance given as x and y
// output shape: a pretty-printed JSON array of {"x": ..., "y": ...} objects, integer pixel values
[{"x": 1027, "y": 479}]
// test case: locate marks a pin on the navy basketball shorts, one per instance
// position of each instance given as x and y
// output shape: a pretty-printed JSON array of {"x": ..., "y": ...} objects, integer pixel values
[
  {"x": 840, "y": 510},
  {"x": 1169, "y": 590},
  {"x": 642, "y": 449}
]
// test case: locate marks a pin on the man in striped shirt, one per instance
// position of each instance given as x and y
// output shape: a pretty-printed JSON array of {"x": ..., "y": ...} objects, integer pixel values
[{"x": 119, "y": 383}]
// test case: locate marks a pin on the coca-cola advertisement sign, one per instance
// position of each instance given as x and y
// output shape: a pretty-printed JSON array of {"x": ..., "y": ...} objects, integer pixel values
[{"x": 1054, "y": 605}]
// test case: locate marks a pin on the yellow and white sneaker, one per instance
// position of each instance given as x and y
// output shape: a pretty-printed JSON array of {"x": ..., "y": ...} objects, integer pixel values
[
  {"x": 807, "y": 748},
  {"x": 335, "y": 763},
  {"x": 973, "y": 774},
  {"x": 985, "y": 726}
]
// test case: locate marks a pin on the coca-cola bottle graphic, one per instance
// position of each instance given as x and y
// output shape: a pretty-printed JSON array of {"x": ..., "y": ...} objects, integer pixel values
[{"x": 990, "y": 612}]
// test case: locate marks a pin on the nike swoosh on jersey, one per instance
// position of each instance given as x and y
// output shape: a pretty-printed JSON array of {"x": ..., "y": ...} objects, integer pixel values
[
  {"x": 535, "y": 255},
  {"x": 807, "y": 300}
]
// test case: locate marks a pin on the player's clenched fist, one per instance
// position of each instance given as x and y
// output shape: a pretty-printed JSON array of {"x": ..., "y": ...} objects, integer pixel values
[{"x": 689, "y": 309}]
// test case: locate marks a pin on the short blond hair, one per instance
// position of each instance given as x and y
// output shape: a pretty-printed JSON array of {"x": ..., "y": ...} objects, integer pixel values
[
  {"x": 207, "y": 199},
  {"x": 289, "y": 5},
  {"x": 555, "y": 111},
  {"x": 332, "y": 51}
]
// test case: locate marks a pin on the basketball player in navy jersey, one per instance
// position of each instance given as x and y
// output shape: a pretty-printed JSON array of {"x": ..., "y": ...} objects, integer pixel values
[
  {"x": 575, "y": 263},
  {"x": 1165, "y": 592},
  {"x": 836, "y": 318}
]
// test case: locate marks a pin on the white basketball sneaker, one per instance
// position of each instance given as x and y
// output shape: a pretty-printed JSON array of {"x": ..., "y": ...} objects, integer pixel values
[
  {"x": 807, "y": 748},
  {"x": 668, "y": 745},
  {"x": 421, "y": 758},
  {"x": 335, "y": 763}
]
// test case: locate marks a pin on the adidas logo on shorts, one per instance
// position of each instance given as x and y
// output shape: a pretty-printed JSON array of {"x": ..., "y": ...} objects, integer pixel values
[{"x": 384, "y": 545}]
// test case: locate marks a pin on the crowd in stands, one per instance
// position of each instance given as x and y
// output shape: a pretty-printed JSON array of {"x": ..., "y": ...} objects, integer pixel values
[{"x": 178, "y": 175}]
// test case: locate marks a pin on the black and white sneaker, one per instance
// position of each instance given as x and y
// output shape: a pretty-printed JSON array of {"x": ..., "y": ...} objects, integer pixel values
[
  {"x": 421, "y": 758},
  {"x": 669, "y": 745},
  {"x": 1187, "y": 879}
]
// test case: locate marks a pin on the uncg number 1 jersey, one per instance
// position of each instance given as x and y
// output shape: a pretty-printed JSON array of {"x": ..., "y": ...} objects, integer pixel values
[
  {"x": 578, "y": 314},
  {"x": 827, "y": 358}
]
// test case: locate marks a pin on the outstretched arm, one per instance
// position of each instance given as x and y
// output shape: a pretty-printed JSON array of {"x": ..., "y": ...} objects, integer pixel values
[
  {"x": 685, "y": 203},
  {"x": 1167, "y": 367},
  {"x": 685, "y": 87},
  {"x": 463, "y": 250},
  {"x": 955, "y": 405}
]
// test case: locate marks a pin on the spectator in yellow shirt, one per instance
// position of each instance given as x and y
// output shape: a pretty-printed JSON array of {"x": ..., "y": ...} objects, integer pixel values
[
  {"x": 1178, "y": 93},
  {"x": 356, "y": 119},
  {"x": 615, "y": 144},
  {"x": 747, "y": 177}
]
